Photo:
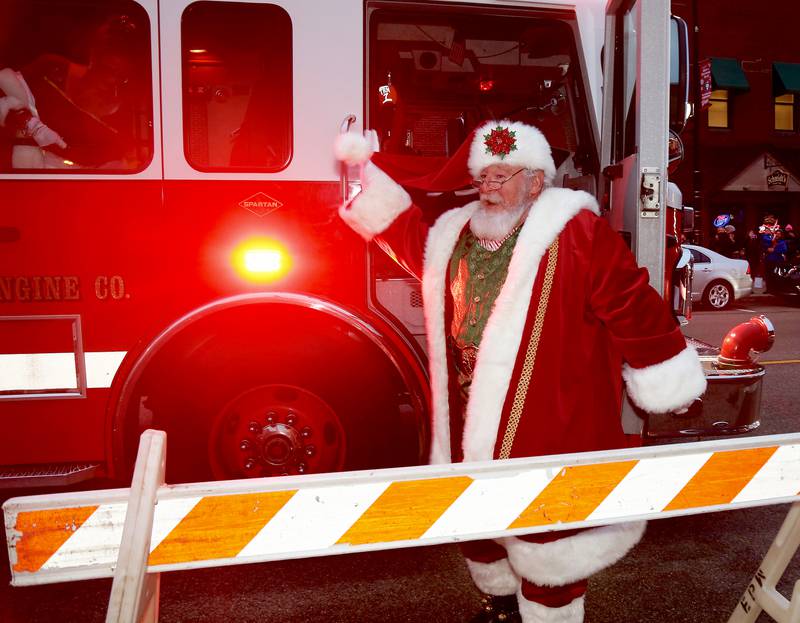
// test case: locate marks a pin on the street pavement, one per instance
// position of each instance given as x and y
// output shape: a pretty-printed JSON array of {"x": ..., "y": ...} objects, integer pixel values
[{"x": 688, "y": 570}]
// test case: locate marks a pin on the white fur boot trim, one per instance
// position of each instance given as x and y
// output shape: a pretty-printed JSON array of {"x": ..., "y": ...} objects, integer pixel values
[
  {"x": 493, "y": 578},
  {"x": 533, "y": 612},
  {"x": 575, "y": 557},
  {"x": 377, "y": 206},
  {"x": 668, "y": 385}
]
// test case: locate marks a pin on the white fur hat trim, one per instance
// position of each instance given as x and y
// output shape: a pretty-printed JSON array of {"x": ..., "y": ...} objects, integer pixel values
[{"x": 532, "y": 149}]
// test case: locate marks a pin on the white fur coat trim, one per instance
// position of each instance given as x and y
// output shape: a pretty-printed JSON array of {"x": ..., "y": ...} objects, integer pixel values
[
  {"x": 667, "y": 385},
  {"x": 501, "y": 338},
  {"x": 377, "y": 206},
  {"x": 575, "y": 557},
  {"x": 493, "y": 578},
  {"x": 533, "y": 612},
  {"x": 442, "y": 239}
]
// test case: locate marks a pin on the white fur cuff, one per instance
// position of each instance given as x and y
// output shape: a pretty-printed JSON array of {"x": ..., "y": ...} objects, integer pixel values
[
  {"x": 668, "y": 385},
  {"x": 532, "y": 612},
  {"x": 575, "y": 557},
  {"x": 377, "y": 206},
  {"x": 493, "y": 578}
]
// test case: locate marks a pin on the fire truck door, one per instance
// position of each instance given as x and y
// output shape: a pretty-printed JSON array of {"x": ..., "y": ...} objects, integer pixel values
[
  {"x": 635, "y": 126},
  {"x": 217, "y": 115}
]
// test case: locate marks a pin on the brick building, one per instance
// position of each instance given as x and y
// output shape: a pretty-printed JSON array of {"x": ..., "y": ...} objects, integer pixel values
[{"x": 743, "y": 149}]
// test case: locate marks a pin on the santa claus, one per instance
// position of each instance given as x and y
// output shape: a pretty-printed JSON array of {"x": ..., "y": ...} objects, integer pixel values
[{"x": 536, "y": 312}]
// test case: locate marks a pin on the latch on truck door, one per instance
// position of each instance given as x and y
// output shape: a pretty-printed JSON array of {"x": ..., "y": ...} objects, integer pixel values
[{"x": 650, "y": 192}]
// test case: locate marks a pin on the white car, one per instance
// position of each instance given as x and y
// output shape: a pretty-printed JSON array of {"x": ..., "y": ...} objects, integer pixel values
[{"x": 717, "y": 280}]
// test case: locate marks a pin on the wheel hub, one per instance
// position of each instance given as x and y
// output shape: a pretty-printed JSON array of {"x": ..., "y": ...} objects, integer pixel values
[
  {"x": 280, "y": 443},
  {"x": 276, "y": 430},
  {"x": 718, "y": 296}
]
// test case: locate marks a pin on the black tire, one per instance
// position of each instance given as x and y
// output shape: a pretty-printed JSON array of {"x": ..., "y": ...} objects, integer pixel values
[
  {"x": 718, "y": 295},
  {"x": 203, "y": 390}
]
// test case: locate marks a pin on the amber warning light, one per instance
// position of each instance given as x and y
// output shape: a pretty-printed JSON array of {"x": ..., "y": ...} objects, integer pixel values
[{"x": 261, "y": 259}]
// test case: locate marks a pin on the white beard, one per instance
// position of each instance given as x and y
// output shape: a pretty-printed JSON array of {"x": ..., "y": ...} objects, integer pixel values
[{"x": 495, "y": 223}]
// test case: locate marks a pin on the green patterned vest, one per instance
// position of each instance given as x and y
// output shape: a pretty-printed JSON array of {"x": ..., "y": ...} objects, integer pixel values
[{"x": 476, "y": 276}]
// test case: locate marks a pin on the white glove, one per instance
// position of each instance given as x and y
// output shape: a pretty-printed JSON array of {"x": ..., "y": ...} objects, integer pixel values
[{"x": 42, "y": 134}]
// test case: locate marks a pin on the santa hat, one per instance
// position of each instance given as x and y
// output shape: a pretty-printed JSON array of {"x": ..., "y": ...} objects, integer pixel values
[
  {"x": 513, "y": 143},
  {"x": 390, "y": 180},
  {"x": 493, "y": 142}
]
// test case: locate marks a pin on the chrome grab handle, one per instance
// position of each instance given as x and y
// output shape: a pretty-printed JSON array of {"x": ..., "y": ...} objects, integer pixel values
[
  {"x": 344, "y": 128},
  {"x": 346, "y": 123}
]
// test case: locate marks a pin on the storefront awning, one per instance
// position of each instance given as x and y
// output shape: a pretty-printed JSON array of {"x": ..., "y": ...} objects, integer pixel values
[
  {"x": 726, "y": 73},
  {"x": 786, "y": 78}
]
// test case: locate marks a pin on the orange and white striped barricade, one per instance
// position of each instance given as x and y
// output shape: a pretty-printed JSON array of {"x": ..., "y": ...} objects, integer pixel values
[
  {"x": 761, "y": 594},
  {"x": 74, "y": 536}
]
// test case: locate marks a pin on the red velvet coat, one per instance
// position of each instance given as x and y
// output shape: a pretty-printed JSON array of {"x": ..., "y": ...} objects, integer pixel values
[{"x": 603, "y": 322}]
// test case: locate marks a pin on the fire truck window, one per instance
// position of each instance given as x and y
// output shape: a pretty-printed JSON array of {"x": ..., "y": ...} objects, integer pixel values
[
  {"x": 631, "y": 24},
  {"x": 75, "y": 86},
  {"x": 237, "y": 86},
  {"x": 436, "y": 75}
]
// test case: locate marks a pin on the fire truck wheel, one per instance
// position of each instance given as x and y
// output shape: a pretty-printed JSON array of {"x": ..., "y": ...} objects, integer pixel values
[
  {"x": 718, "y": 295},
  {"x": 254, "y": 393},
  {"x": 276, "y": 430}
]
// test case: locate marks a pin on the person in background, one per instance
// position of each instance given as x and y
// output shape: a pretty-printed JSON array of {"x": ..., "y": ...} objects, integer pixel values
[
  {"x": 528, "y": 275},
  {"x": 767, "y": 230},
  {"x": 723, "y": 242},
  {"x": 791, "y": 244},
  {"x": 775, "y": 256},
  {"x": 57, "y": 113},
  {"x": 754, "y": 254}
]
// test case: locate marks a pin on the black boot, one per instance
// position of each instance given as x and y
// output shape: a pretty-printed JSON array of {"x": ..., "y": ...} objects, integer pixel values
[{"x": 498, "y": 609}]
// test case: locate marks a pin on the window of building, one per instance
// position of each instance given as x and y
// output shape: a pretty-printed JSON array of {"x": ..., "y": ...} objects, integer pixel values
[
  {"x": 785, "y": 112},
  {"x": 79, "y": 75},
  {"x": 237, "y": 86},
  {"x": 719, "y": 109}
]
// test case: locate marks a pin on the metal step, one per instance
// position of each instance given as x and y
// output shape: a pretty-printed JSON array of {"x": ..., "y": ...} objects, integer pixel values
[{"x": 58, "y": 474}]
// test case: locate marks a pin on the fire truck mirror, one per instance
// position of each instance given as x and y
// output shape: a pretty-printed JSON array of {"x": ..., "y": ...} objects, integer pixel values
[
  {"x": 678, "y": 74},
  {"x": 675, "y": 151}
]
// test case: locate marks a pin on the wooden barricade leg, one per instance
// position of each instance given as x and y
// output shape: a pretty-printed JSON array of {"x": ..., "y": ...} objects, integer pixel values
[
  {"x": 761, "y": 593},
  {"x": 134, "y": 592}
]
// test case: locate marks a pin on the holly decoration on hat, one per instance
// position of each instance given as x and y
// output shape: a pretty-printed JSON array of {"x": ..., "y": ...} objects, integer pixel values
[{"x": 500, "y": 142}]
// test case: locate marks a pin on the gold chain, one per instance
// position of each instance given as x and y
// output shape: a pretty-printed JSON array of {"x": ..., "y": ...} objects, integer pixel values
[{"x": 530, "y": 355}]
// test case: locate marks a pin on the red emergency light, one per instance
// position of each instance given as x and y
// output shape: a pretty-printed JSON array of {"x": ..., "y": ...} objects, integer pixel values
[{"x": 261, "y": 259}]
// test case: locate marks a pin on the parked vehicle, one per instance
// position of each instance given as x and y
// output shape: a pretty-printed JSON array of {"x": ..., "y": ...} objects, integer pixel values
[
  {"x": 718, "y": 280},
  {"x": 784, "y": 281}
]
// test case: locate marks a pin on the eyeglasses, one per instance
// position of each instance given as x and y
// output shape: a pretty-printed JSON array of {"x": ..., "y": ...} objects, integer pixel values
[{"x": 493, "y": 184}]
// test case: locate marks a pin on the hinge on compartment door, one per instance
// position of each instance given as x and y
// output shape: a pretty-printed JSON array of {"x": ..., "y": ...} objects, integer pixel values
[{"x": 650, "y": 192}]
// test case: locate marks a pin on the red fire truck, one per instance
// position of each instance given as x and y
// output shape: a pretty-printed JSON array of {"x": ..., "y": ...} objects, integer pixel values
[{"x": 170, "y": 254}]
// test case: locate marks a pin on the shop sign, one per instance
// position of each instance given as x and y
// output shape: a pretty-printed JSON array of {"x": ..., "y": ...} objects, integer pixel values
[{"x": 777, "y": 178}]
